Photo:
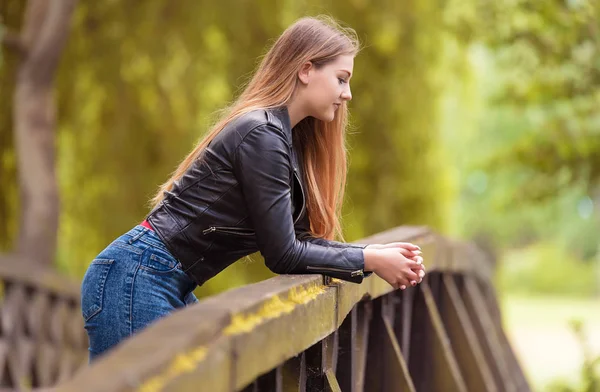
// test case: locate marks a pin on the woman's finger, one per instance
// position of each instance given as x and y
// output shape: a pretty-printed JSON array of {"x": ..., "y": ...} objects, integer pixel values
[
  {"x": 406, "y": 253},
  {"x": 405, "y": 245}
]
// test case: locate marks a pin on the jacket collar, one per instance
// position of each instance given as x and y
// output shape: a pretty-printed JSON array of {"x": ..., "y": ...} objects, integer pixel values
[{"x": 281, "y": 118}]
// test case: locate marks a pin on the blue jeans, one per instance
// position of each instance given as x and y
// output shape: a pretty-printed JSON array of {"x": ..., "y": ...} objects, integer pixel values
[{"x": 129, "y": 285}]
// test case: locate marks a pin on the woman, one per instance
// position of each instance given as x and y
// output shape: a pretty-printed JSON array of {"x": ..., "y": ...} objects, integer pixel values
[{"x": 268, "y": 177}]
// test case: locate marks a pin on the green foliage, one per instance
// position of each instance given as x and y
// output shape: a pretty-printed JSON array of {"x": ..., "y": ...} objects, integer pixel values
[
  {"x": 527, "y": 154},
  {"x": 549, "y": 53},
  {"x": 546, "y": 268},
  {"x": 590, "y": 369},
  {"x": 139, "y": 85},
  {"x": 396, "y": 174}
]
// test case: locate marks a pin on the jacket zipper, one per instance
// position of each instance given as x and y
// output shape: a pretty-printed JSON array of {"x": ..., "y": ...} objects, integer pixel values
[
  {"x": 303, "y": 196},
  {"x": 227, "y": 230},
  {"x": 352, "y": 273}
]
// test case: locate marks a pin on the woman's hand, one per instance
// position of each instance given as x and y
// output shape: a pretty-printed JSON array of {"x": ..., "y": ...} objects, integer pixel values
[
  {"x": 391, "y": 264},
  {"x": 405, "y": 246},
  {"x": 408, "y": 250}
]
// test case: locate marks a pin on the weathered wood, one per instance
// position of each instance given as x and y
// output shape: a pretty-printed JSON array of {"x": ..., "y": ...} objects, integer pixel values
[
  {"x": 315, "y": 380},
  {"x": 486, "y": 334},
  {"x": 289, "y": 333},
  {"x": 516, "y": 370},
  {"x": 397, "y": 376},
  {"x": 268, "y": 382},
  {"x": 468, "y": 352},
  {"x": 294, "y": 374},
  {"x": 331, "y": 384},
  {"x": 404, "y": 322},
  {"x": 294, "y": 316},
  {"x": 353, "y": 344},
  {"x": 386, "y": 369},
  {"x": 432, "y": 363},
  {"x": 19, "y": 269}
]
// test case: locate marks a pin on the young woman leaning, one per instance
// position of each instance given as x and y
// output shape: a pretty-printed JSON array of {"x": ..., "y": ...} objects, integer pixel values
[{"x": 268, "y": 177}]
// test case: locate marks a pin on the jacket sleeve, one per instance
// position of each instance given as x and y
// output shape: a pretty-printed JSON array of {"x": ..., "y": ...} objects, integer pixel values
[
  {"x": 302, "y": 233},
  {"x": 329, "y": 243},
  {"x": 262, "y": 166}
]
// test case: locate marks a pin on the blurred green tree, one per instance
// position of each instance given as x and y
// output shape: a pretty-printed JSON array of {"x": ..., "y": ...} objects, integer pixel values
[
  {"x": 38, "y": 47},
  {"x": 140, "y": 83},
  {"x": 549, "y": 55}
]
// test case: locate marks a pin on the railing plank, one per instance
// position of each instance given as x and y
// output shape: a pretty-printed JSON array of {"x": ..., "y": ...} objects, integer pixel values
[
  {"x": 404, "y": 322},
  {"x": 386, "y": 369},
  {"x": 468, "y": 352},
  {"x": 487, "y": 335},
  {"x": 516, "y": 370},
  {"x": 432, "y": 363},
  {"x": 294, "y": 374},
  {"x": 294, "y": 317},
  {"x": 17, "y": 269},
  {"x": 332, "y": 383},
  {"x": 398, "y": 377},
  {"x": 294, "y": 333}
]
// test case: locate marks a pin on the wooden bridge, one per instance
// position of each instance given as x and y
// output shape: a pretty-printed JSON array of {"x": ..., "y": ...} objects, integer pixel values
[{"x": 288, "y": 333}]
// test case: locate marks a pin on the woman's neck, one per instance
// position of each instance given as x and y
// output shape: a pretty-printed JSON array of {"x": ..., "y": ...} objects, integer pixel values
[{"x": 295, "y": 112}]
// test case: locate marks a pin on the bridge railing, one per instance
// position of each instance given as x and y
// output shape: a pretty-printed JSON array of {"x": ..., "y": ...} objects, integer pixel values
[
  {"x": 296, "y": 333},
  {"x": 42, "y": 340}
]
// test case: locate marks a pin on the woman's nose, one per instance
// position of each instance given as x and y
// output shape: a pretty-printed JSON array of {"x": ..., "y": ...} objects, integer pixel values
[{"x": 347, "y": 94}]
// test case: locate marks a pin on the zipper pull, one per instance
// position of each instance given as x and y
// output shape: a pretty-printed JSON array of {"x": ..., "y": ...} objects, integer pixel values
[
  {"x": 209, "y": 230},
  {"x": 357, "y": 273}
]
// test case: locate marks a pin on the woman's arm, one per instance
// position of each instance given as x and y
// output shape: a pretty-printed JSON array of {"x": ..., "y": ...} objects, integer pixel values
[
  {"x": 302, "y": 233},
  {"x": 262, "y": 166}
]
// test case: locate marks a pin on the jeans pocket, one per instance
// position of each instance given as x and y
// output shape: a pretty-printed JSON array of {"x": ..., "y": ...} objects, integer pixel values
[
  {"x": 92, "y": 287},
  {"x": 158, "y": 262}
]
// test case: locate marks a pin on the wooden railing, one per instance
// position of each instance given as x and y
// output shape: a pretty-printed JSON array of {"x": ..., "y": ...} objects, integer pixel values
[
  {"x": 295, "y": 333},
  {"x": 42, "y": 340}
]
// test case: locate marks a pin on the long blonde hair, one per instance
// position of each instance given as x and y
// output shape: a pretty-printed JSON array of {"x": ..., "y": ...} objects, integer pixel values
[{"x": 319, "y": 40}]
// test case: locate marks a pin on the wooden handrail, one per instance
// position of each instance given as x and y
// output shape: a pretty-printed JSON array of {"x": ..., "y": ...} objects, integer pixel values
[
  {"x": 42, "y": 340},
  {"x": 297, "y": 333}
]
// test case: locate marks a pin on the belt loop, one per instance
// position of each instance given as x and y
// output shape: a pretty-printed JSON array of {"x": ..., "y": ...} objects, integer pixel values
[{"x": 137, "y": 236}]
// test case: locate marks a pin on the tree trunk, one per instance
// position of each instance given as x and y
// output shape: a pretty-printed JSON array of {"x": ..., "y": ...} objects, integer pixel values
[{"x": 45, "y": 31}]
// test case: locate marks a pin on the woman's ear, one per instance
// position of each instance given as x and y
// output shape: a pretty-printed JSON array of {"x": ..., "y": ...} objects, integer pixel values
[{"x": 305, "y": 72}]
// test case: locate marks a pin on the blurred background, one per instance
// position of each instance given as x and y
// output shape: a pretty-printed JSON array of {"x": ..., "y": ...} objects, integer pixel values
[{"x": 479, "y": 119}]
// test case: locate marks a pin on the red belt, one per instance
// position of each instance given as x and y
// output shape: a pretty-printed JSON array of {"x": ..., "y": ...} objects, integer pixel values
[{"x": 147, "y": 225}]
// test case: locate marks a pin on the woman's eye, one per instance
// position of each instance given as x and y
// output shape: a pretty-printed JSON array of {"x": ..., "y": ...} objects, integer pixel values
[{"x": 341, "y": 81}]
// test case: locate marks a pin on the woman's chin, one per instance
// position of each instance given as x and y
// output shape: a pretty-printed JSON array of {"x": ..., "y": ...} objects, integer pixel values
[{"x": 327, "y": 117}]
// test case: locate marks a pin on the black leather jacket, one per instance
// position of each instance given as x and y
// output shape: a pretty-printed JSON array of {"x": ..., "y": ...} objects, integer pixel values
[{"x": 247, "y": 194}]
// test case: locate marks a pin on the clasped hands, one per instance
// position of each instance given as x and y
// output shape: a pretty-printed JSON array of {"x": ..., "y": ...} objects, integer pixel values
[{"x": 398, "y": 263}]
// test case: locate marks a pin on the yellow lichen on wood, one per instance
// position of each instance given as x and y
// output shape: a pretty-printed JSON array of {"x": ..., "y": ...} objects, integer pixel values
[
  {"x": 240, "y": 323},
  {"x": 182, "y": 363},
  {"x": 273, "y": 308}
]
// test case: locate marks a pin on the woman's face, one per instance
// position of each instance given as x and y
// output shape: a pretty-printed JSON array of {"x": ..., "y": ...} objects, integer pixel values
[{"x": 324, "y": 89}]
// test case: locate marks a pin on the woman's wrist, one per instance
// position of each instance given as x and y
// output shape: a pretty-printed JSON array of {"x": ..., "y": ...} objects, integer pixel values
[{"x": 370, "y": 256}]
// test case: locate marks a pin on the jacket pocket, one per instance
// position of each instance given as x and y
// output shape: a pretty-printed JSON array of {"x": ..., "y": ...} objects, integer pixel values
[
  {"x": 234, "y": 231},
  {"x": 92, "y": 287}
]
